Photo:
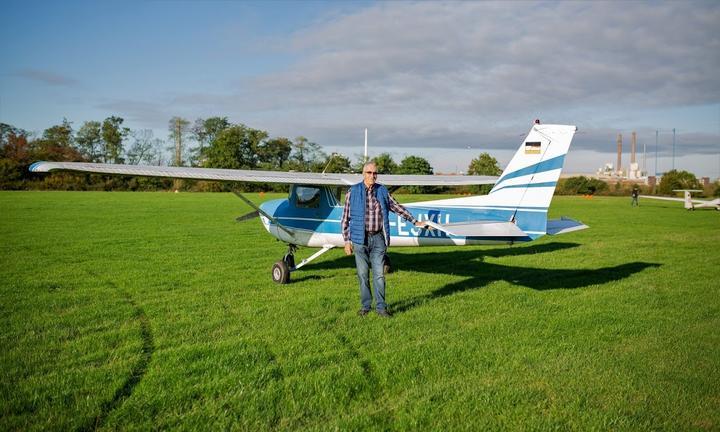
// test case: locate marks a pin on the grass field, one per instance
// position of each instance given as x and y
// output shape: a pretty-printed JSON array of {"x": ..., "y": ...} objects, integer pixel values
[{"x": 139, "y": 311}]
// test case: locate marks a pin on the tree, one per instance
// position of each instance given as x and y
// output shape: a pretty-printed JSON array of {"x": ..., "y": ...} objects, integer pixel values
[
  {"x": 385, "y": 164},
  {"x": 273, "y": 153},
  {"x": 235, "y": 147},
  {"x": 89, "y": 140},
  {"x": 6, "y": 131},
  {"x": 60, "y": 135},
  {"x": 581, "y": 185},
  {"x": 675, "y": 179},
  {"x": 416, "y": 165},
  {"x": 113, "y": 135},
  {"x": 144, "y": 148},
  {"x": 57, "y": 144},
  {"x": 179, "y": 130},
  {"x": 483, "y": 165},
  {"x": 204, "y": 132},
  {"x": 307, "y": 156},
  {"x": 14, "y": 158},
  {"x": 337, "y": 163}
]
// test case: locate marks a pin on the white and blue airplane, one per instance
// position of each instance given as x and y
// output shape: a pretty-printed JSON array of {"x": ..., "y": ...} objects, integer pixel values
[{"x": 514, "y": 211}]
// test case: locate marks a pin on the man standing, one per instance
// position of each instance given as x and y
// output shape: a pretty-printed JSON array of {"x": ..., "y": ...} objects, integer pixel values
[
  {"x": 635, "y": 194},
  {"x": 366, "y": 230}
]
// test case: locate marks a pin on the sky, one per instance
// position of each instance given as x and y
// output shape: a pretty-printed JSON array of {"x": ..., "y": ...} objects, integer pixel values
[{"x": 442, "y": 80}]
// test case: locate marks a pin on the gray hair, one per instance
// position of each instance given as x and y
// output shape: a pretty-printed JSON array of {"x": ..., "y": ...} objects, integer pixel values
[{"x": 370, "y": 162}]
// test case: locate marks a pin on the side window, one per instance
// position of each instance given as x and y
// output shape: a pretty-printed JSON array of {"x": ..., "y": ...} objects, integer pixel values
[{"x": 307, "y": 197}]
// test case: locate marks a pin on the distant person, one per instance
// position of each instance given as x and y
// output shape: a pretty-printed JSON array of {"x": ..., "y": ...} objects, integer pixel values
[
  {"x": 366, "y": 230},
  {"x": 635, "y": 194}
]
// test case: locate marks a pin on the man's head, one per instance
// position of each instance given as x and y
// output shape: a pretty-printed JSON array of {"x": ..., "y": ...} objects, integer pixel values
[{"x": 369, "y": 173}]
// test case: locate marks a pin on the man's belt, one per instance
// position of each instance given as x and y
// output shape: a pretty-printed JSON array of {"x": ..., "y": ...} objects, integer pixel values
[{"x": 372, "y": 233}]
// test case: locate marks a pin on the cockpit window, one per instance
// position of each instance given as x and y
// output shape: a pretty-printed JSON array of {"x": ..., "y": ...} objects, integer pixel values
[{"x": 307, "y": 197}]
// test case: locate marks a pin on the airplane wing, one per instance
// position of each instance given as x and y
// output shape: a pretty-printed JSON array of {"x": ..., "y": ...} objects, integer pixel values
[
  {"x": 693, "y": 200},
  {"x": 260, "y": 176}
]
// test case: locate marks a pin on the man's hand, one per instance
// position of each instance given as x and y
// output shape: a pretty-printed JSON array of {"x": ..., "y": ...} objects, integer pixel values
[
  {"x": 348, "y": 248},
  {"x": 423, "y": 225}
]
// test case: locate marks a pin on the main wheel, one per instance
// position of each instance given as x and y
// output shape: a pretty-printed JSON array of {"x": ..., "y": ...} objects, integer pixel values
[
  {"x": 281, "y": 272},
  {"x": 387, "y": 265}
]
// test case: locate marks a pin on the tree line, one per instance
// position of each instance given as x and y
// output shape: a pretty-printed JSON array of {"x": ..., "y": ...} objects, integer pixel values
[{"x": 213, "y": 142}]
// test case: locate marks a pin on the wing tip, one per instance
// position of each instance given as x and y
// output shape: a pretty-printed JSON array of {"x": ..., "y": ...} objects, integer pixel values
[{"x": 37, "y": 167}]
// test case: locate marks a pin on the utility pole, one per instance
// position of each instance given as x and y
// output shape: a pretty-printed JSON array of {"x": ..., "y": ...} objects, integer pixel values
[
  {"x": 656, "y": 151},
  {"x": 365, "y": 157},
  {"x": 645, "y": 157},
  {"x": 673, "y": 159},
  {"x": 178, "y": 143}
]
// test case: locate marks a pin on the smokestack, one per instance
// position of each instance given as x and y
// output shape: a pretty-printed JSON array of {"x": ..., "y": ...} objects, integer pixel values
[
  {"x": 633, "y": 145},
  {"x": 618, "y": 167}
]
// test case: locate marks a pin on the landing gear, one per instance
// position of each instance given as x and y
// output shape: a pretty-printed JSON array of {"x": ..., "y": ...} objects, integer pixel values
[
  {"x": 387, "y": 265},
  {"x": 281, "y": 270}
]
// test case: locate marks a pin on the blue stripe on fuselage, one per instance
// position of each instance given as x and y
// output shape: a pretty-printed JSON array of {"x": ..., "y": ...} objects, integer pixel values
[{"x": 327, "y": 220}]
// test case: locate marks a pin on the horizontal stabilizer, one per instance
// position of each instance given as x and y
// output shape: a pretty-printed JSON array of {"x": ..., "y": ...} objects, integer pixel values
[
  {"x": 564, "y": 225},
  {"x": 480, "y": 229}
]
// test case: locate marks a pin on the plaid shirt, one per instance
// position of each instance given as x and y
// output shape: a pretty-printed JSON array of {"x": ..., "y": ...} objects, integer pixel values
[{"x": 373, "y": 213}]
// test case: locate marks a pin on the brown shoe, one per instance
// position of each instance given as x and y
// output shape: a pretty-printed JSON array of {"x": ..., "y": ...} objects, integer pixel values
[{"x": 363, "y": 312}]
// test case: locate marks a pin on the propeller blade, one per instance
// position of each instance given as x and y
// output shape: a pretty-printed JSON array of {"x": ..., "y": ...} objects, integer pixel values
[{"x": 251, "y": 215}]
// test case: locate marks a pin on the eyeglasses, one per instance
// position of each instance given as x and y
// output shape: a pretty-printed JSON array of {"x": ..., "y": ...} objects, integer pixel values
[{"x": 371, "y": 172}]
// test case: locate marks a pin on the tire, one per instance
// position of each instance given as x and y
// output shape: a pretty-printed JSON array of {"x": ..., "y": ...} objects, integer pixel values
[
  {"x": 387, "y": 265},
  {"x": 281, "y": 272}
]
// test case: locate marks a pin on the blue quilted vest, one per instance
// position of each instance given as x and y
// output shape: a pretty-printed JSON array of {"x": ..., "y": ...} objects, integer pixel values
[{"x": 357, "y": 211}]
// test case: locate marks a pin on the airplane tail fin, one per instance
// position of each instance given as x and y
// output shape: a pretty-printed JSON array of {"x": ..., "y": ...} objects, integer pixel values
[
  {"x": 528, "y": 183},
  {"x": 687, "y": 195},
  {"x": 523, "y": 192}
]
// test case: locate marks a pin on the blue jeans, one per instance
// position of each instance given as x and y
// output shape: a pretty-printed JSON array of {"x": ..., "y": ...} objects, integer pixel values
[{"x": 366, "y": 256}]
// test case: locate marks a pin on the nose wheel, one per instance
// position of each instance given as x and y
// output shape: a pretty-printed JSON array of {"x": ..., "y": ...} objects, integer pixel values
[
  {"x": 281, "y": 269},
  {"x": 281, "y": 272}
]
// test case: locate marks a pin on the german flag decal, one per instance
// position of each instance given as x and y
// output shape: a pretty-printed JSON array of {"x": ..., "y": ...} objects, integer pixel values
[{"x": 532, "y": 147}]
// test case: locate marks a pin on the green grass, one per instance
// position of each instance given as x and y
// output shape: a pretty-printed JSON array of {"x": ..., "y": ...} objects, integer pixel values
[{"x": 155, "y": 310}]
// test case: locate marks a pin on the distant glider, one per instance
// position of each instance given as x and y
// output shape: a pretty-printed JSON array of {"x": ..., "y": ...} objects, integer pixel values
[
  {"x": 689, "y": 203},
  {"x": 514, "y": 211}
]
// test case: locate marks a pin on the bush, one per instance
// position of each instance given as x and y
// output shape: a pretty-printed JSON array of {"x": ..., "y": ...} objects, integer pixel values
[{"x": 581, "y": 185}]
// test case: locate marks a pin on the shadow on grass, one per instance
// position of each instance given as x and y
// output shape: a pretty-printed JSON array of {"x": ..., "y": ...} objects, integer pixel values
[{"x": 469, "y": 263}]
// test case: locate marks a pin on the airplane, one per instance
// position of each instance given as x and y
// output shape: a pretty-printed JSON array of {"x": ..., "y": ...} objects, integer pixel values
[
  {"x": 514, "y": 211},
  {"x": 689, "y": 203}
]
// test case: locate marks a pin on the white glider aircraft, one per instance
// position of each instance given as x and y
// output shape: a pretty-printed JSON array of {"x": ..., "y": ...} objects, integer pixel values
[
  {"x": 514, "y": 211},
  {"x": 689, "y": 203}
]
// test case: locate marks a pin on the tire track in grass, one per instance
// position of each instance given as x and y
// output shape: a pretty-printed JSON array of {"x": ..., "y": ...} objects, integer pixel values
[{"x": 138, "y": 370}]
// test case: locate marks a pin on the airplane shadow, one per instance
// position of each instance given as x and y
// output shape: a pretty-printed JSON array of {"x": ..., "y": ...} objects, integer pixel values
[{"x": 469, "y": 263}]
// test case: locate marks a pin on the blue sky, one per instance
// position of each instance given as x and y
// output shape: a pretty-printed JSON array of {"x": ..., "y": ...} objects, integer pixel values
[{"x": 442, "y": 80}]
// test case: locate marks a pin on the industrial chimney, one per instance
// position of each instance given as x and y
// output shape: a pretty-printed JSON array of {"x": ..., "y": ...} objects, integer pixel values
[{"x": 618, "y": 167}]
